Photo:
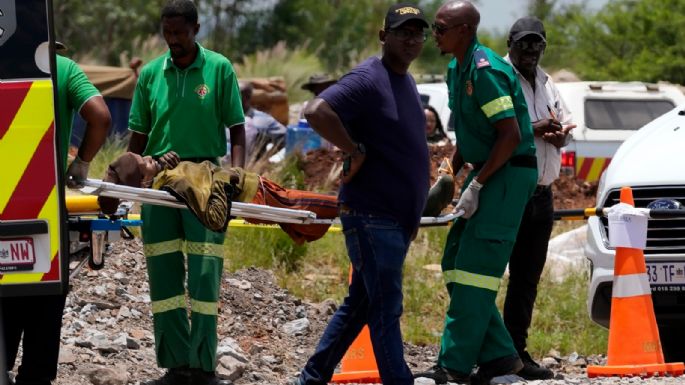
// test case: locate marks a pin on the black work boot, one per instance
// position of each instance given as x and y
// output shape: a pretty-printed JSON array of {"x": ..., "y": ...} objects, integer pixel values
[
  {"x": 532, "y": 370},
  {"x": 495, "y": 368},
  {"x": 174, "y": 376},
  {"x": 442, "y": 375},
  {"x": 200, "y": 377}
]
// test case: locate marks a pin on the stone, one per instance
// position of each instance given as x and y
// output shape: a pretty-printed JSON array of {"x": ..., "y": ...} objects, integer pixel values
[
  {"x": 230, "y": 367},
  {"x": 108, "y": 376},
  {"x": 297, "y": 327}
]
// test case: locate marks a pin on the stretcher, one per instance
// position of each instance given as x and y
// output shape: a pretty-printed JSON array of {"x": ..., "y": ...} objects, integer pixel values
[
  {"x": 90, "y": 232},
  {"x": 238, "y": 209}
]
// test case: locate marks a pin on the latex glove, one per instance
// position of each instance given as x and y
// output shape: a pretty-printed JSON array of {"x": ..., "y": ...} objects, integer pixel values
[
  {"x": 468, "y": 201},
  {"x": 77, "y": 173}
]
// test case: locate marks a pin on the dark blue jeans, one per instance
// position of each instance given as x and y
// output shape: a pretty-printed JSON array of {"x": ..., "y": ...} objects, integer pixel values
[{"x": 377, "y": 247}]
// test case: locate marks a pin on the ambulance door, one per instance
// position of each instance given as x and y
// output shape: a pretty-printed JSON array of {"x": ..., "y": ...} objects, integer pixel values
[{"x": 33, "y": 243}]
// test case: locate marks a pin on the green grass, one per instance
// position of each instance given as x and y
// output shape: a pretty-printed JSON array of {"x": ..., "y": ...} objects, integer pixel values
[
  {"x": 295, "y": 65},
  {"x": 315, "y": 271},
  {"x": 560, "y": 318},
  {"x": 319, "y": 270}
]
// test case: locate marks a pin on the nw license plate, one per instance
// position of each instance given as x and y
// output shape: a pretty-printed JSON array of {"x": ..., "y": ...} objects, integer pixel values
[
  {"x": 670, "y": 274},
  {"x": 17, "y": 254}
]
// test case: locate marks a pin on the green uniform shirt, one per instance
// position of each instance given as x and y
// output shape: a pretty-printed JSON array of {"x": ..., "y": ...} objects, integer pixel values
[
  {"x": 482, "y": 91},
  {"x": 73, "y": 91},
  {"x": 187, "y": 110}
]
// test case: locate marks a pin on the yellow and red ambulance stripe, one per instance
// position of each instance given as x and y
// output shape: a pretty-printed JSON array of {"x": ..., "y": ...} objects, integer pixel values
[
  {"x": 590, "y": 169},
  {"x": 28, "y": 189}
]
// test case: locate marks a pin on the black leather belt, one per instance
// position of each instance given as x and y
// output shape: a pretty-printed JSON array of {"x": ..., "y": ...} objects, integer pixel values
[
  {"x": 527, "y": 161},
  {"x": 347, "y": 210}
]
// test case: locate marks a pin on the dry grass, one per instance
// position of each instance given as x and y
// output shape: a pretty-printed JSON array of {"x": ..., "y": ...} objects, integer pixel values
[{"x": 294, "y": 64}]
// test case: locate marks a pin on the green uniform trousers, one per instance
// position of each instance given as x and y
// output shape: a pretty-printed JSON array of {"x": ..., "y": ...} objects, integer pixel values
[
  {"x": 167, "y": 234},
  {"x": 476, "y": 253}
]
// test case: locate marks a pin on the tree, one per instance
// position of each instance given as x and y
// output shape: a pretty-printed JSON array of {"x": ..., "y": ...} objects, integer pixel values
[
  {"x": 625, "y": 40},
  {"x": 635, "y": 40},
  {"x": 232, "y": 27},
  {"x": 339, "y": 31},
  {"x": 105, "y": 29}
]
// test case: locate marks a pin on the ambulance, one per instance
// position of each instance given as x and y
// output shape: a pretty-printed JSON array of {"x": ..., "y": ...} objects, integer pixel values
[
  {"x": 41, "y": 229},
  {"x": 33, "y": 241}
]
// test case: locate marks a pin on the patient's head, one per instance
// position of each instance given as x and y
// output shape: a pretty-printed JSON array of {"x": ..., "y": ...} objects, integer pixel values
[{"x": 132, "y": 170}]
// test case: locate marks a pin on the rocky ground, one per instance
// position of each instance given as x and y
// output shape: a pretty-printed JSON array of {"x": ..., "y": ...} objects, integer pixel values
[{"x": 265, "y": 333}]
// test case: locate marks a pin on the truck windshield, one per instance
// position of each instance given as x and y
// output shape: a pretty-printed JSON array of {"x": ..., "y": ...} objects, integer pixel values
[{"x": 612, "y": 114}]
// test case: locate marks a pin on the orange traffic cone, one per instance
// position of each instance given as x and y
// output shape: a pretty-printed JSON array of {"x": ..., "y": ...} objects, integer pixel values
[
  {"x": 634, "y": 345},
  {"x": 358, "y": 364}
]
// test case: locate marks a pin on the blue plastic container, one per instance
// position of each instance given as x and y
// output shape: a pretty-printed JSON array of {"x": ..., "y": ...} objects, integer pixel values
[{"x": 301, "y": 138}]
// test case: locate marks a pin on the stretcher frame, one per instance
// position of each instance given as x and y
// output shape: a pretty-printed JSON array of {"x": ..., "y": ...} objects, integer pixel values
[{"x": 240, "y": 209}]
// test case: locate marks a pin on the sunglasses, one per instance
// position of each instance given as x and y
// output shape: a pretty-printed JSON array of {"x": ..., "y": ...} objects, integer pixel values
[
  {"x": 407, "y": 35},
  {"x": 441, "y": 29},
  {"x": 530, "y": 45}
]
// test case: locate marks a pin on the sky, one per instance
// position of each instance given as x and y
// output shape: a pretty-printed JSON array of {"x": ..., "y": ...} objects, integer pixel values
[{"x": 499, "y": 15}]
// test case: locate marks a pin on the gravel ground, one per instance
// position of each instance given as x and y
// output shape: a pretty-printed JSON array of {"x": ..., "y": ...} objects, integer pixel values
[{"x": 265, "y": 334}]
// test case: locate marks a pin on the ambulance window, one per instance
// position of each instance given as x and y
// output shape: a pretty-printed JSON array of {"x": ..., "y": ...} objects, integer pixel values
[{"x": 612, "y": 114}]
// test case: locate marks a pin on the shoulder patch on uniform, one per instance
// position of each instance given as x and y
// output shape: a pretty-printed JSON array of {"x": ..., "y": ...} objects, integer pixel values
[{"x": 480, "y": 58}]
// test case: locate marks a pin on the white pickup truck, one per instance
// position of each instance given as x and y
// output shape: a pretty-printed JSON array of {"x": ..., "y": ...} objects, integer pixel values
[
  {"x": 652, "y": 163},
  {"x": 607, "y": 113}
]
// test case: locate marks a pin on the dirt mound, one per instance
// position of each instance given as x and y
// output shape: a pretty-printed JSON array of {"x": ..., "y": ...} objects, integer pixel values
[
  {"x": 321, "y": 169},
  {"x": 572, "y": 193}
]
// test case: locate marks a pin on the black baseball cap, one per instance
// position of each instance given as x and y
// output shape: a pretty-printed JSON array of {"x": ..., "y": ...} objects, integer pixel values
[
  {"x": 525, "y": 26},
  {"x": 399, "y": 14}
]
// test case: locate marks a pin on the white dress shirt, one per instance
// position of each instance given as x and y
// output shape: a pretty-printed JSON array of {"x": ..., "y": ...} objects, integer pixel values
[{"x": 545, "y": 96}]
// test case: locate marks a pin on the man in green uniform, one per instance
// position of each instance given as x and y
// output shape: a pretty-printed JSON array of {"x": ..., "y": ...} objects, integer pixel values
[
  {"x": 494, "y": 134},
  {"x": 183, "y": 102}
]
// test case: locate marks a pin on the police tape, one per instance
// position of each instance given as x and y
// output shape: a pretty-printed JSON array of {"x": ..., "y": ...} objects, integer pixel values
[
  {"x": 238, "y": 223},
  {"x": 583, "y": 214}
]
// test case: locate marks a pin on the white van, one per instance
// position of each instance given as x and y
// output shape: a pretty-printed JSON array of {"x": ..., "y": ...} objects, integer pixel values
[{"x": 608, "y": 113}]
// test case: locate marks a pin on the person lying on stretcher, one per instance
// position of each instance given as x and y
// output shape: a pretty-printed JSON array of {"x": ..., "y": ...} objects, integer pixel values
[{"x": 208, "y": 189}]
